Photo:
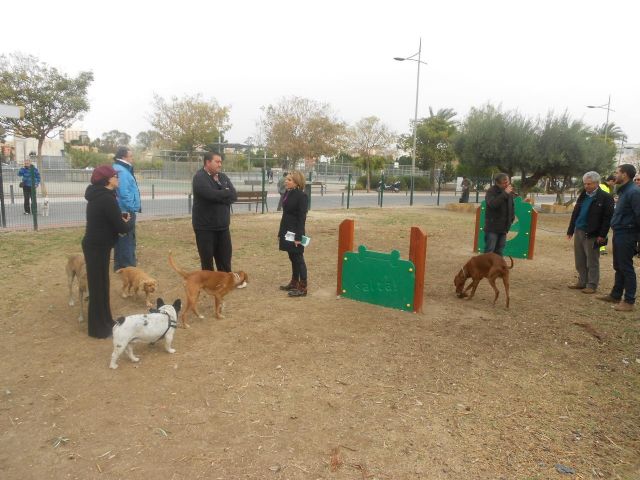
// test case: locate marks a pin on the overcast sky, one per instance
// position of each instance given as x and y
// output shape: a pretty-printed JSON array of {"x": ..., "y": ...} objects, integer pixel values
[{"x": 533, "y": 56}]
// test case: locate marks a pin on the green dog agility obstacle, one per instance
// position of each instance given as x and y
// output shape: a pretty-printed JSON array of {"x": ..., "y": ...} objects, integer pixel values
[{"x": 382, "y": 278}]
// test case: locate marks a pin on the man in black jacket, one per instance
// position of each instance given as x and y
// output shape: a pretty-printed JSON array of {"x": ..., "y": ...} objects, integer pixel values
[
  {"x": 499, "y": 214},
  {"x": 213, "y": 194},
  {"x": 588, "y": 227}
]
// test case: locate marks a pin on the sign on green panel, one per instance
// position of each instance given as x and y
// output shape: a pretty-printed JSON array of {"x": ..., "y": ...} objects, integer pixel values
[
  {"x": 378, "y": 278},
  {"x": 517, "y": 246}
]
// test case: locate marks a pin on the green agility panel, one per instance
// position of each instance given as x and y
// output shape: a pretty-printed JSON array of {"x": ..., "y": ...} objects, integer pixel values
[
  {"x": 517, "y": 246},
  {"x": 378, "y": 278}
]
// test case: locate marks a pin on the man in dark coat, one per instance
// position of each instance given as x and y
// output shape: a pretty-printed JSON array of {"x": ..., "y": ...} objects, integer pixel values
[
  {"x": 588, "y": 227},
  {"x": 625, "y": 224},
  {"x": 499, "y": 214},
  {"x": 213, "y": 194}
]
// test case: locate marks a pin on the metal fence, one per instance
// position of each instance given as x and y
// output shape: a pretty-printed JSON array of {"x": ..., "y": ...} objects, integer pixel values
[{"x": 167, "y": 193}]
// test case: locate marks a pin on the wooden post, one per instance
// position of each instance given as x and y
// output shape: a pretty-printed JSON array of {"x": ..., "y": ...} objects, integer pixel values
[
  {"x": 532, "y": 237},
  {"x": 418, "y": 255},
  {"x": 345, "y": 244}
]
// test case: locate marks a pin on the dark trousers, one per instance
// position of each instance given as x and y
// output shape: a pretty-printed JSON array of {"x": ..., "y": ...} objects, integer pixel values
[
  {"x": 124, "y": 252},
  {"x": 494, "y": 242},
  {"x": 624, "y": 248},
  {"x": 26, "y": 191},
  {"x": 214, "y": 245},
  {"x": 298, "y": 267},
  {"x": 97, "y": 261},
  {"x": 465, "y": 196}
]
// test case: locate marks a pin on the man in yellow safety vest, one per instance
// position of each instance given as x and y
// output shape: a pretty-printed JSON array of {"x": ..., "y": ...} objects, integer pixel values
[{"x": 607, "y": 186}]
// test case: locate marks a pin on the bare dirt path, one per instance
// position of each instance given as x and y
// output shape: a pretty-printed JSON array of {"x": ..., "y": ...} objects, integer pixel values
[{"x": 319, "y": 387}]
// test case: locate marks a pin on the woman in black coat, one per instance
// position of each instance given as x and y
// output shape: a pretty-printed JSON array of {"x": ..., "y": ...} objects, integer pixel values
[
  {"x": 294, "y": 216},
  {"x": 104, "y": 223}
]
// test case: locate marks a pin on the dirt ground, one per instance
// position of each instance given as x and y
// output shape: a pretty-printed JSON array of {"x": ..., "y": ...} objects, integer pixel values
[{"x": 320, "y": 387}]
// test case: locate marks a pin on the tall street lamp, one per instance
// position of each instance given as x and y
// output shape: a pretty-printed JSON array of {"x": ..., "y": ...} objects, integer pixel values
[
  {"x": 415, "y": 116},
  {"x": 607, "y": 107}
]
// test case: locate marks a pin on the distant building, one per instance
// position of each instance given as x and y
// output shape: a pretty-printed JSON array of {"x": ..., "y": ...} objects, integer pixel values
[
  {"x": 68, "y": 136},
  {"x": 51, "y": 148}
]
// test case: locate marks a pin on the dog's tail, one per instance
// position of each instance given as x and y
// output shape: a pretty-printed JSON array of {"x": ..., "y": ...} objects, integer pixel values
[
  {"x": 180, "y": 272},
  {"x": 510, "y": 258}
]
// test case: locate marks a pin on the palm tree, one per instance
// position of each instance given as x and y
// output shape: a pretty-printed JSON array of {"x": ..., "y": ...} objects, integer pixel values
[{"x": 611, "y": 131}]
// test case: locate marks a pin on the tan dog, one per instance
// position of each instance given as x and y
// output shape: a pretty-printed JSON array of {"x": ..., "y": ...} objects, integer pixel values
[
  {"x": 216, "y": 284},
  {"x": 489, "y": 265},
  {"x": 76, "y": 269},
  {"x": 133, "y": 278}
]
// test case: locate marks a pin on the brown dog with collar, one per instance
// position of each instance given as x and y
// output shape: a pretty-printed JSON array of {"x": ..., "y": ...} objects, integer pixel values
[
  {"x": 488, "y": 265},
  {"x": 216, "y": 284}
]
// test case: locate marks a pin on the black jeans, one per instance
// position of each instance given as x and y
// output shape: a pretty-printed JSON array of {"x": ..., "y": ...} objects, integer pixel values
[
  {"x": 624, "y": 248},
  {"x": 214, "y": 245},
  {"x": 26, "y": 191},
  {"x": 298, "y": 267}
]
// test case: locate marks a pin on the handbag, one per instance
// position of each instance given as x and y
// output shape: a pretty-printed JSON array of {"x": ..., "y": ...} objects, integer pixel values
[{"x": 21, "y": 185}]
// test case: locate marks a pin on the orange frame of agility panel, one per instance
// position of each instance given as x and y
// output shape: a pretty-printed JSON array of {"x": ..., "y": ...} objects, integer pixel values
[{"x": 417, "y": 255}]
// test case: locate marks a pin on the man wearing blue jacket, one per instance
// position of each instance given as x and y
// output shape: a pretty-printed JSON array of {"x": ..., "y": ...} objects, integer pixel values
[
  {"x": 128, "y": 194},
  {"x": 625, "y": 224},
  {"x": 25, "y": 184}
]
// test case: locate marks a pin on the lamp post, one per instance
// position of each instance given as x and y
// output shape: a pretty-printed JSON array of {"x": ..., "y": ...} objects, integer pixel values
[
  {"x": 415, "y": 115},
  {"x": 607, "y": 107}
]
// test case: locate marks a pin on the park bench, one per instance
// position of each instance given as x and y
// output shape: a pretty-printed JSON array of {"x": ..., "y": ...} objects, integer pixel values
[{"x": 250, "y": 198}]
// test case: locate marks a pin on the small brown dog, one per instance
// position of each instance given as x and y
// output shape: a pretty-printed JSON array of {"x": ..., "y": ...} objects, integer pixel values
[
  {"x": 489, "y": 265},
  {"x": 216, "y": 284},
  {"x": 76, "y": 269},
  {"x": 133, "y": 278}
]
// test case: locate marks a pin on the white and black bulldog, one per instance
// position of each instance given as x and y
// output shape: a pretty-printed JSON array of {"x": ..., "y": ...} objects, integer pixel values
[{"x": 158, "y": 324}]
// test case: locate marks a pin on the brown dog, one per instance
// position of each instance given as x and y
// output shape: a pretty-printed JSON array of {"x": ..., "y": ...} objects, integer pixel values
[
  {"x": 134, "y": 278},
  {"x": 76, "y": 269},
  {"x": 489, "y": 265},
  {"x": 216, "y": 284}
]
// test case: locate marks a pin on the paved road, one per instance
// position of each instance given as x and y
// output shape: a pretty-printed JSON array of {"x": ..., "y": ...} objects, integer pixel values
[{"x": 65, "y": 211}]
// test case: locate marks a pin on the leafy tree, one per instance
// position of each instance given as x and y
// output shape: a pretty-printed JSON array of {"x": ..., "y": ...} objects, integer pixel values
[
  {"x": 148, "y": 139},
  {"x": 568, "y": 148},
  {"x": 557, "y": 147},
  {"x": 51, "y": 99},
  {"x": 612, "y": 132},
  {"x": 110, "y": 141},
  {"x": 82, "y": 158},
  {"x": 299, "y": 128},
  {"x": 189, "y": 122},
  {"x": 434, "y": 137},
  {"x": 366, "y": 138}
]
